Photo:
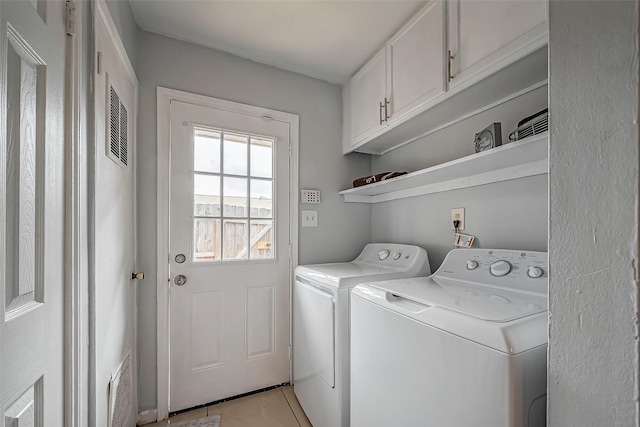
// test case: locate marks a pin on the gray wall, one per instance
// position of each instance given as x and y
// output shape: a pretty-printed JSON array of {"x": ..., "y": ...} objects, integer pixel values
[
  {"x": 507, "y": 215},
  {"x": 593, "y": 239},
  {"x": 343, "y": 229},
  {"x": 127, "y": 27}
]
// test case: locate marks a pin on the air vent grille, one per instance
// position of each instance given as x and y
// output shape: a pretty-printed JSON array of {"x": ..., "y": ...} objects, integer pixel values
[
  {"x": 118, "y": 138},
  {"x": 535, "y": 126},
  {"x": 114, "y": 128},
  {"x": 123, "y": 134}
]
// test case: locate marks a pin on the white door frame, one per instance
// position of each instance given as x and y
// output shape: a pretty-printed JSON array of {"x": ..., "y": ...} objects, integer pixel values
[
  {"x": 165, "y": 96},
  {"x": 76, "y": 335}
]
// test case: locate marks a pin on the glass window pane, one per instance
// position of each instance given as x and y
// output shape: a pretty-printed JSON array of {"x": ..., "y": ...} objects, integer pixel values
[
  {"x": 206, "y": 240},
  {"x": 262, "y": 157},
  {"x": 235, "y": 154},
  {"x": 262, "y": 239},
  {"x": 235, "y": 239},
  {"x": 235, "y": 197},
  {"x": 206, "y": 195},
  {"x": 261, "y": 198},
  {"x": 206, "y": 151}
]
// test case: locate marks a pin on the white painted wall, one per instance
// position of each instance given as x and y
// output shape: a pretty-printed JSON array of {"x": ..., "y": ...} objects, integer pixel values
[
  {"x": 507, "y": 215},
  {"x": 593, "y": 239},
  {"x": 127, "y": 27},
  {"x": 343, "y": 229}
]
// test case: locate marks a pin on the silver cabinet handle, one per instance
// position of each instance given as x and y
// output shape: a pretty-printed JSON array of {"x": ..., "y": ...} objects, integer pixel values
[
  {"x": 450, "y": 74},
  {"x": 180, "y": 280},
  {"x": 386, "y": 109}
]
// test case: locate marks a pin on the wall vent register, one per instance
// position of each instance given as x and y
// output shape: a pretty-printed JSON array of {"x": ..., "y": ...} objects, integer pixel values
[{"x": 118, "y": 129}]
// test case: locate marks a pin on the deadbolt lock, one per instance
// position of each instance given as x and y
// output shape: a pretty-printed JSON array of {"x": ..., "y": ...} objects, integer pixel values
[{"x": 137, "y": 276}]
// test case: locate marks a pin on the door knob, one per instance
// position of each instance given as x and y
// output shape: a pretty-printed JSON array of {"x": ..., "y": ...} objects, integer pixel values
[
  {"x": 137, "y": 276},
  {"x": 180, "y": 280}
]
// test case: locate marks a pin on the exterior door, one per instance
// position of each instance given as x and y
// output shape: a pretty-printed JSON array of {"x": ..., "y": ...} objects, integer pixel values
[
  {"x": 229, "y": 254},
  {"x": 113, "y": 291},
  {"x": 32, "y": 76}
]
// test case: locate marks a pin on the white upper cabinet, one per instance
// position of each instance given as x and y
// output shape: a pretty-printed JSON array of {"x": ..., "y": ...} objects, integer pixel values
[
  {"x": 416, "y": 62},
  {"x": 367, "y": 96},
  {"x": 487, "y": 35},
  {"x": 452, "y": 60},
  {"x": 401, "y": 76}
]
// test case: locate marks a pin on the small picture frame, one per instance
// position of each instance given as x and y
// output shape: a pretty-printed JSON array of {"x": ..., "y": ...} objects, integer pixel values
[{"x": 489, "y": 137}]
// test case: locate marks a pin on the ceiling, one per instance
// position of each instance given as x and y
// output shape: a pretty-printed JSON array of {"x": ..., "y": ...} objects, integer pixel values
[{"x": 327, "y": 39}]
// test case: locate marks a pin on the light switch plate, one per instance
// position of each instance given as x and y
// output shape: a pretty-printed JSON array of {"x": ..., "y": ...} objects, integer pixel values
[{"x": 309, "y": 218}]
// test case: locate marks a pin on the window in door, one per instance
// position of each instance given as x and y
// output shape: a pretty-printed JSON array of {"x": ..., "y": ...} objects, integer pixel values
[{"x": 233, "y": 216}]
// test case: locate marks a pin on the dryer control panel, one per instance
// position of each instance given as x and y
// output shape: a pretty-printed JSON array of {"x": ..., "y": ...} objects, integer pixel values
[
  {"x": 410, "y": 258},
  {"x": 508, "y": 269}
]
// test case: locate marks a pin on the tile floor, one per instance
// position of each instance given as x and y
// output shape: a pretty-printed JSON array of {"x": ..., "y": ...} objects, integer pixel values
[{"x": 274, "y": 408}]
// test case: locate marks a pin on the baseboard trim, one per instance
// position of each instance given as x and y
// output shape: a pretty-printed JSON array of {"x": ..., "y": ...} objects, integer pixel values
[{"x": 147, "y": 416}]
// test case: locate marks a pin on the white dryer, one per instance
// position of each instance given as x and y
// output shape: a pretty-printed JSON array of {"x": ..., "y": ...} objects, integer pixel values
[
  {"x": 464, "y": 347},
  {"x": 321, "y": 324}
]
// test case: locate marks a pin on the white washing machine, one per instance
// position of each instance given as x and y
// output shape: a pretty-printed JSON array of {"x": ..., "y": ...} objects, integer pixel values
[
  {"x": 464, "y": 347},
  {"x": 321, "y": 296}
]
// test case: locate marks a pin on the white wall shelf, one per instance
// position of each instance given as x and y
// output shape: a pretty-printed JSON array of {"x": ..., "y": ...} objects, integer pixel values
[{"x": 520, "y": 159}]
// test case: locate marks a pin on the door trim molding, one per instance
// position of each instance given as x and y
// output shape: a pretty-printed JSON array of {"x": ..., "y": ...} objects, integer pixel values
[
  {"x": 76, "y": 279},
  {"x": 165, "y": 96}
]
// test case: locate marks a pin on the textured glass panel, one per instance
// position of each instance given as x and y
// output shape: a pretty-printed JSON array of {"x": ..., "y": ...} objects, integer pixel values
[
  {"x": 235, "y": 197},
  {"x": 206, "y": 240},
  {"x": 262, "y": 158},
  {"x": 235, "y": 154},
  {"x": 206, "y": 151},
  {"x": 261, "y": 198},
  {"x": 206, "y": 195},
  {"x": 235, "y": 239},
  {"x": 261, "y": 235}
]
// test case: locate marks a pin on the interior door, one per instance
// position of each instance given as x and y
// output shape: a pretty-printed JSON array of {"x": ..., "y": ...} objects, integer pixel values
[
  {"x": 32, "y": 36},
  {"x": 229, "y": 254},
  {"x": 113, "y": 291}
]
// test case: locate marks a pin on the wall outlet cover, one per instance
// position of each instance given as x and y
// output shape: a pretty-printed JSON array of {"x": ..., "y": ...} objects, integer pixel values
[{"x": 457, "y": 214}]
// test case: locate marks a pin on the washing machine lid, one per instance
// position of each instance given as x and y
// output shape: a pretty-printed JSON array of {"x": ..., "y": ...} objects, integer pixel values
[
  {"x": 480, "y": 302},
  {"x": 451, "y": 310},
  {"x": 345, "y": 274}
]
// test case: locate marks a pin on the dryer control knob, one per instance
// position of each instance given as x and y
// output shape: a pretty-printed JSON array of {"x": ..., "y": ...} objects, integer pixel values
[
  {"x": 472, "y": 264},
  {"x": 397, "y": 256},
  {"x": 500, "y": 268},
  {"x": 383, "y": 254},
  {"x": 534, "y": 272}
]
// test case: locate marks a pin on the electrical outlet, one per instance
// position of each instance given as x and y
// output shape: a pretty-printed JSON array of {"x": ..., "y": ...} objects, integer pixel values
[
  {"x": 309, "y": 218},
  {"x": 457, "y": 214}
]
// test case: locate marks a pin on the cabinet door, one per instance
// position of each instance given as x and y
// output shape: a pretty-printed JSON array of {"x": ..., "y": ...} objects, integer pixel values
[
  {"x": 367, "y": 92},
  {"x": 485, "y": 36},
  {"x": 416, "y": 61}
]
